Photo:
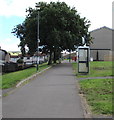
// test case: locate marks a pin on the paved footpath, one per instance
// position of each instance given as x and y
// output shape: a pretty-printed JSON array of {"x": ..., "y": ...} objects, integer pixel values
[{"x": 53, "y": 94}]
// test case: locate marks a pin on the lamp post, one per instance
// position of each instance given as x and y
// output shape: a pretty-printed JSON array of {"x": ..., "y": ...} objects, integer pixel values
[{"x": 38, "y": 39}]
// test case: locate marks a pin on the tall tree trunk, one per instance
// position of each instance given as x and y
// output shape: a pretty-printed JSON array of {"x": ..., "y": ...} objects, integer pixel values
[
  {"x": 70, "y": 56},
  {"x": 54, "y": 59},
  {"x": 50, "y": 58}
]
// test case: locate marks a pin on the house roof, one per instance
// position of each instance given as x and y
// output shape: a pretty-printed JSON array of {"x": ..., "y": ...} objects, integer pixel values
[
  {"x": 15, "y": 53},
  {"x": 3, "y": 51},
  {"x": 102, "y": 28}
]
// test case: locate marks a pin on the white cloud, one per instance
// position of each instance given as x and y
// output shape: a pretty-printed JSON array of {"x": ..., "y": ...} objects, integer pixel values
[
  {"x": 99, "y": 12},
  {"x": 15, "y": 7},
  {"x": 10, "y": 44},
  {"x": 10, "y": 47}
]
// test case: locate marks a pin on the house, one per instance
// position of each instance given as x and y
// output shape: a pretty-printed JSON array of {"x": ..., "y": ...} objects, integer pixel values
[
  {"x": 8, "y": 60},
  {"x": 101, "y": 49},
  {"x": 4, "y": 56},
  {"x": 5, "y": 62},
  {"x": 14, "y": 55},
  {"x": 33, "y": 59}
]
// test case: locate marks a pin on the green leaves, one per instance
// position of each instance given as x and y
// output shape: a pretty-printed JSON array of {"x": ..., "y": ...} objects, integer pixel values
[{"x": 61, "y": 27}]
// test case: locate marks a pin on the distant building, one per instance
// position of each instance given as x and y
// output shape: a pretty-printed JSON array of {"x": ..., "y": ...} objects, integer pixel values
[
  {"x": 101, "y": 49},
  {"x": 4, "y": 56},
  {"x": 14, "y": 55},
  {"x": 5, "y": 64}
]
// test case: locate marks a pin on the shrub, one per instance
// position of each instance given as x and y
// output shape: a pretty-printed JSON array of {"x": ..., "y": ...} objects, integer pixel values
[{"x": 20, "y": 61}]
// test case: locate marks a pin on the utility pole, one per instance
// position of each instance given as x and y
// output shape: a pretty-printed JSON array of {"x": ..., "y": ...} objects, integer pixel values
[{"x": 38, "y": 38}]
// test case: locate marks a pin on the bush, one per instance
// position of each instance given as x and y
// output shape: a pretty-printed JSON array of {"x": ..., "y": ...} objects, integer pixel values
[{"x": 20, "y": 61}]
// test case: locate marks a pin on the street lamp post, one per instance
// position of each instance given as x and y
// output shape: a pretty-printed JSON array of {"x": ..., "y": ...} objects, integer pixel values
[{"x": 38, "y": 38}]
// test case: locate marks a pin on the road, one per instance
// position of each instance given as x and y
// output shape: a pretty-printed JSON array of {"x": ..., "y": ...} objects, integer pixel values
[{"x": 53, "y": 94}]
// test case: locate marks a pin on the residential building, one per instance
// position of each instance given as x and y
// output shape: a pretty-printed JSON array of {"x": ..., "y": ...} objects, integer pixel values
[{"x": 101, "y": 49}]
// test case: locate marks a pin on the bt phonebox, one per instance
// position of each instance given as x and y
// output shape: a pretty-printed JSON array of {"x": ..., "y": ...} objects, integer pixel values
[{"x": 83, "y": 59}]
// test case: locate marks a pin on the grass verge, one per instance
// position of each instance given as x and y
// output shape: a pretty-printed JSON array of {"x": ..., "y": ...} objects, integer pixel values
[
  {"x": 11, "y": 79},
  {"x": 97, "y": 69},
  {"x": 98, "y": 93}
]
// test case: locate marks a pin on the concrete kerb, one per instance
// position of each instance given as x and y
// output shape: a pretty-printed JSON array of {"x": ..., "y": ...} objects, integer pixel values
[
  {"x": 89, "y": 78},
  {"x": 85, "y": 106},
  {"x": 31, "y": 77},
  {"x": 21, "y": 83}
]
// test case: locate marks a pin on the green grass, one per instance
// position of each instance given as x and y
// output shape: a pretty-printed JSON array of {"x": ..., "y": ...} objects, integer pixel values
[
  {"x": 97, "y": 69},
  {"x": 11, "y": 79},
  {"x": 98, "y": 93}
]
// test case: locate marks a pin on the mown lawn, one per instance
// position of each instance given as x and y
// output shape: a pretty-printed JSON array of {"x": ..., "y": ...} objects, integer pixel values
[
  {"x": 11, "y": 79},
  {"x": 97, "y": 69},
  {"x": 98, "y": 93}
]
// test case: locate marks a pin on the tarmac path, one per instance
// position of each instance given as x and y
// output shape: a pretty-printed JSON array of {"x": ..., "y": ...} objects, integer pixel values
[{"x": 53, "y": 94}]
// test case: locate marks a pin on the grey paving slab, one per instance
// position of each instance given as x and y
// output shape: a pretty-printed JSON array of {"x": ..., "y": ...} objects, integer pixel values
[
  {"x": 107, "y": 77},
  {"x": 53, "y": 94}
]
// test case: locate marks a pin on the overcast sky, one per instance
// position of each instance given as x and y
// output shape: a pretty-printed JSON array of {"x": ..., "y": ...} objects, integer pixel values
[{"x": 12, "y": 12}]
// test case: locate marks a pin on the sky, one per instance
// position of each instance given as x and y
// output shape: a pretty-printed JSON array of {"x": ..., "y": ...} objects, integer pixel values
[{"x": 12, "y": 13}]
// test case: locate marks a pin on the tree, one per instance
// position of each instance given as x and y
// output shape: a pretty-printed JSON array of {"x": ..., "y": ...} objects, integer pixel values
[
  {"x": 61, "y": 27},
  {"x": 20, "y": 32}
]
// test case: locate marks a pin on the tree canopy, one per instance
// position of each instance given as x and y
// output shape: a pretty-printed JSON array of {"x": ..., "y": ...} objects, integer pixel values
[{"x": 61, "y": 27}]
